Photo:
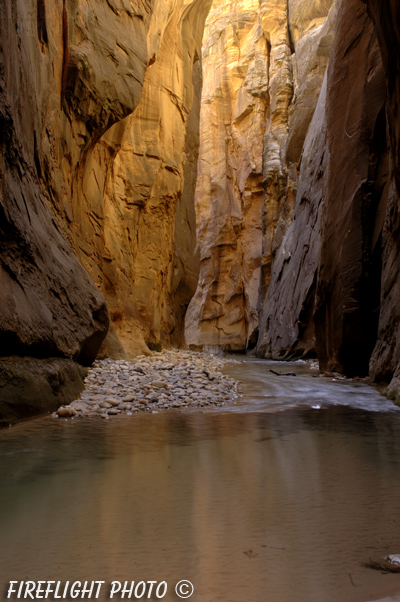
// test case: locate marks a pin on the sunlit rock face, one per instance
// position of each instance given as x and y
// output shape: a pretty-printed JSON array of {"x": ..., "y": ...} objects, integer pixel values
[
  {"x": 99, "y": 146},
  {"x": 229, "y": 193},
  {"x": 142, "y": 175},
  {"x": 96, "y": 205},
  {"x": 263, "y": 64}
]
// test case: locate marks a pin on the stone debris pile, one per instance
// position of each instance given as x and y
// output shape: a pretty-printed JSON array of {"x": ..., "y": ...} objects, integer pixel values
[{"x": 169, "y": 379}]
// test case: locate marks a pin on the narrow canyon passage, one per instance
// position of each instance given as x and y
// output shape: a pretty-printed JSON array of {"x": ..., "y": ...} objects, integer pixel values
[
  {"x": 217, "y": 175},
  {"x": 200, "y": 297}
]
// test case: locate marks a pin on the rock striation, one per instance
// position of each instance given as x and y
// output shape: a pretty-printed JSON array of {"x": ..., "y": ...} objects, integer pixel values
[
  {"x": 263, "y": 70},
  {"x": 326, "y": 258},
  {"x": 144, "y": 257},
  {"x": 321, "y": 276},
  {"x": 286, "y": 324}
]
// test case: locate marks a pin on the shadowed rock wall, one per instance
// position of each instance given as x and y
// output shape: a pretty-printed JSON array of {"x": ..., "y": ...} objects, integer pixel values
[
  {"x": 334, "y": 286},
  {"x": 330, "y": 248},
  {"x": 286, "y": 320},
  {"x": 348, "y": 287},
  {"x": 385, "y": 361}
]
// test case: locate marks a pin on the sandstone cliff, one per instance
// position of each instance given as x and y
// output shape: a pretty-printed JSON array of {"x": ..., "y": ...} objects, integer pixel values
[
  {"x": 321, "y": 277},
  {"x": 89, "y": 172},
  {"x": 263, "y": 70},
  {"x": 335, "y": 278},
  {"x": 385, "y": 360},
  {"x": 144, "y": 265},
  {"x": 331, "y": 254}
]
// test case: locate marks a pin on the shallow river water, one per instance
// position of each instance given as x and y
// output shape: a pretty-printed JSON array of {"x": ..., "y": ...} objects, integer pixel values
[{"x": 280, "y": 497}]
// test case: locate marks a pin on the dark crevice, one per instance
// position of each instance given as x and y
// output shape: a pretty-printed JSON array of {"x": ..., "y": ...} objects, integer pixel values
[
  {"x": 65, "y": 52},
  {"x": 290, "y": 39},
  {"x": 361, "y": 326},
  {"x": 41, "y": 22}
]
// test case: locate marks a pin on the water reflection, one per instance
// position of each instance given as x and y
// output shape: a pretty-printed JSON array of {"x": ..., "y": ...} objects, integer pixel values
[{"x": 248, "y": 506}]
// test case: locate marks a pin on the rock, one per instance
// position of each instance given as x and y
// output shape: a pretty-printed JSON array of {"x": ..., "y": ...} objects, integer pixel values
[
  {"x": 159, "y": 384},
  {"x": 112, "y": 401},
  {"x": 71, "y": 112},
  {"x": 66, "y": 411},
  {"x": 385, "y": 359},
  {"x": 105, "y": 405},
  {"x": 392, "y": 563},
  {"x": 339, "y": 250},
  {"x": 286, "y": 318},
  {"x": 195, "y": 392},
  {"x": 79, "y": 406},
  {"x": 31, "y": 387}
]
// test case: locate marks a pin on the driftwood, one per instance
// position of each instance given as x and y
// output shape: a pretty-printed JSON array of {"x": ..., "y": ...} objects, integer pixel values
[{"x": 282, "y": 373}]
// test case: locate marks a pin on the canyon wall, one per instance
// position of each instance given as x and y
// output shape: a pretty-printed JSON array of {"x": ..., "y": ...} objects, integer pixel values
[
  {"x": 325, "y": 271},
  {"x": 96, "y": 130},
  {"x": 263, "y": 70},
  {"x": 334, "y": 285},
  {"x": 133, "y": 186},
  {"x": 385, "y": 360},
  {"x": 321, "y": 276}
]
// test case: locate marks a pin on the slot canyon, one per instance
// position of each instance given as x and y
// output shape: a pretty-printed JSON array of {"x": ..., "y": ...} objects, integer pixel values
[
  {"x": 223, "y": 176},
  {"x": 200, "y": 299}
]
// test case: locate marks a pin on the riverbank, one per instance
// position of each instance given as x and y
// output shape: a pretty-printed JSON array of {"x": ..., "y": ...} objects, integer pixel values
[{"x": 167, "y": 379}]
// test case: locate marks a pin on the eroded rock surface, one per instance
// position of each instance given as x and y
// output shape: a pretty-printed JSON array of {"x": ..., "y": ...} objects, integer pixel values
[
  {"x": 92, "y": 179},
  {"x": 50, "y": 306},
  {"x": 147, "y": 267},
  {"x": 263, "y": 69},
  {"x": 346, "y": 212},
  {"x": 31, "y": 386},
  {"x": 348, "y": 287},
  {"x": 286, "y": 321},
  {"x": 385, "y": 361}
]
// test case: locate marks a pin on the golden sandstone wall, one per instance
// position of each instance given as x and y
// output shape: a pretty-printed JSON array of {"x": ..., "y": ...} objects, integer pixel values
[
  {"x": 263, "y": 65},
  {"x": 97, "y": 127},
  {"x": 98, "y": 154}
]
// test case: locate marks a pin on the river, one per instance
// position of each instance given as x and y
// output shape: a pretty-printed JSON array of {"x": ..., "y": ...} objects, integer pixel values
[{"x": 279, "y": 497}]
